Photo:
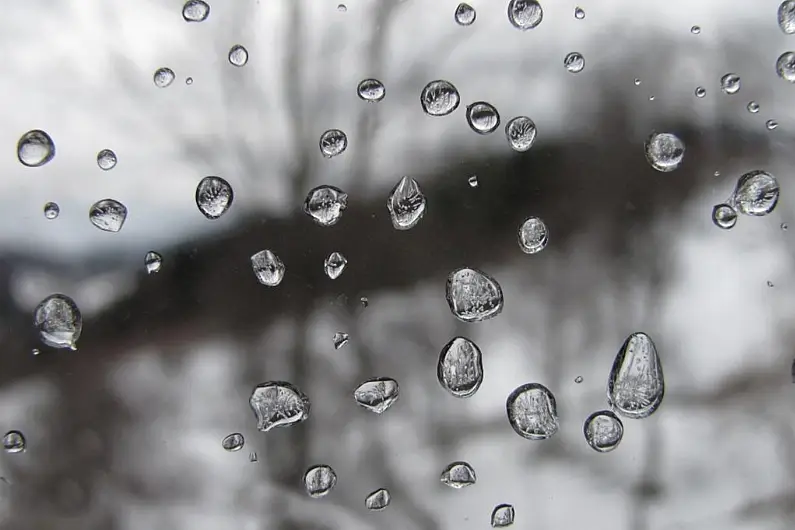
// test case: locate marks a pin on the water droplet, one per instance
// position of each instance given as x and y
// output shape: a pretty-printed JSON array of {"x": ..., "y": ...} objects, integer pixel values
[
  {"x": 342, "y": 8},
  {"x": 482, "y": 117},
  {"x": 651, "y": 98},
  {"x": 268, "y": 268},
  {"x": 188, "y": 80},
  {"x": 108, "y": 215},
  {"x": 106, "y": 159},
  {"x": 214, "y": 197},
  {"x": 532, "y": 412},
  {"x": 51, "y": 210},
  {"x": 664, "y": 151},
  {"x": 460, "y": 367},
  {"x": 163, "y": 77},
  {"x": 769, "y": 283},
  {"x": 458, "y": 475},
  {"x": 730, "y": 83},
  {"x": 371, "y": 90},
  {"x": 603, "y": 431},
  {"x": 319, "y": 481},
  {"x": 325, "y": 204},
  {"x": 406, "y": 204},
  {"x": 364, "y": 301},
  {"x": 695, "y": 30},
  {"x": 378, "y": 500},
  {"x": 574, "y": 62},
  {"x": 793, "y": 370},
  {"x": 278, "y": 404},
  {"x": 473, "y": 295},
  {"x": 636, "y": 385},
  {"x": 717, "y": 173},
  {"x": 756, "y": 193},
  {"x": 35, "y": 148},
  {"x": 35, "y": 351},
  {"x": 525, "y": 14},
  {"x": 579, "y": 13},
  {"x": 334, "y": 265},
  {"x": 153, "y": 261},
  {"x": 195, "y": 11},
  {"x": 252, "y": 456},
  {"x": 233, "y": 442},
  {"x": 377, "y": 394},
  {"x": 701, "y": 91},
  {"x": 59, "y": 321},
  {"x": 473, "y": 181},
  {"x": 784, "y": 227},
  {"x": 724, "y": 216},
  {"x": 465, "y": 14},
  {"x": 533, "y": 235},
  {"x": 521, "y": 133},
  {"x": 238, "y": 55},
  {"x": 771, "y": 125},
  {"x": 786, "y": 17},
  {"x": 502, "y": 515},
  {"x": 637, "y": 81},
  {"x": 14, "y": 442},
  {"x": 753, "y": 107},
  {"x": 578, "y": 379},
  {"x": 332, "y": 143},
  {"x": 785, "y": 66},
  {"x": 340, "y": 339},
  {"x": 439, "y": 98}
]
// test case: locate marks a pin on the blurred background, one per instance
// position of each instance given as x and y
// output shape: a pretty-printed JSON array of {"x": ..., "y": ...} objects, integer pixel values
[{"x": 125, "y": 433}]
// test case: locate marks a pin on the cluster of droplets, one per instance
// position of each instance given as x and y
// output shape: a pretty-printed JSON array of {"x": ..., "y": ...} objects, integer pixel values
[{"x": 755, "y": 194}]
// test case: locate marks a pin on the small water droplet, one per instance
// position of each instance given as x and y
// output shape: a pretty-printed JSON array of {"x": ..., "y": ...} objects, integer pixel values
[
  {"x": 701, "y": 91},
  {"x": 319, "y": 481},
  {"x": 14, "y": 442},
  {"x": 371, "y": 90},
  {"x": 458, "y": 475},
  {"x": 325, "y": 205},
  {"x": 51, "y": 210},
  {"x": 35, "y": 351},
  {"x": 378, "y": 394},
  {"x": 664, "y": 151},
  {"x": 473, "y": 181},
  {"x": 106, "y": 159},
  {"x": 482, "y": 117},
  {"x": 332, "y": 143},
  {"x": 59, "y": 321},
  {"x": 214, "y": 197},
  {"x": 769, "y": 283},
  {"x": 578, "y": 379},
  {"x": 785, "y": 66},
  {"x": 268, "y": 268},
  {"x": 35, "y": 148},
  {"x": 342, "y": 8},
  {"x": 651, "y": 98},
  {"x": 771, "y": 125},
  {"x": 533, "y": 235},
  {"x": 730, "y": 83},
  {"x": 278, "y": 404},
  {"x": 579, "y": 13},
  {"x": 525, "y": 14},
  {"x": 252, "y": 457},
  {"x": 786, "y": 16},
  {"x": 233, "y": 442},
  {"x": 724, "y": 216},
  {"x": 532, "y": 412},
  {"x": 521, "y": 133},
  {"x": 334, "y": 265},
  {"x": 717, "y": 173},
  {"x": 406, "y": 204},
  {"x": 195, "y": 11},
  {"x": 753, "y": 107},
  {"x": 695, "y": 30},
  {"x": 637, "y": 81},
  {"x": 502, "y": 515},
  {"x": 378, "y": 500},
  {"x": 784, "y": 227},
  {"x": 603, "y": 431},
  {"x": 636, "y": 385},
  {"x": 108, "y": 215},
  {"x": 238, "y": 55},
  {"x": 188, "y": 80},
  {"x": 574, "y": 62},
  {"x": 163, "y": 77},
  {"x": 465, "y": 14},
  {"x": 460, "y": 367},
  {"x": 439, "y": 98},
  {"x": 153, "y": 261},
  {"x": 756, "y": 193},
  {"x": 340, "y": 339},
  {"x": 473, "y": 295},
  {"x": 364, "y": 301}
]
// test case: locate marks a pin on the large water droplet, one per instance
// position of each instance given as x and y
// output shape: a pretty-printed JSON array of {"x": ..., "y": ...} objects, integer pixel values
[
  {"x": 502, "y": 515},
  {"x": 325, "y": 205},
  {"x": 334, "y": 265},
  {"x": 195, "y": 11},
  {"x": 533, "y": 235},
  {"x": 724, "y": 216},
  {"x": 59, "y": 321},
  {"x": 482, "y": 117},
  {"x": 473, "y": 295},
  {"x": 52, "y": 210},
  {"x": 730, "y": 83},
  {"x": 14, "y": 442},
  {"x": 785, "y": 66},
  {"x": 603, "y": 431},
  {"x": 377, "y": 394},
  {"x": 406, "y": 204},
  {"x": 268, "y": 268},
  {"x": 460, "y": 367},
  {"x": 278, "y": 404},
  {"x": 108, "y": 215},
  {"x": 579, "y": 13},
  {"x": 35, "y": 148},
  {"x": 163, "y": 77},
  {"x": 786, "y": 17},
  {"x": 371, "y": 90},
  {"x": 525, "y": 14},
  {"x": 378, "y": 500},
  {"x": 465, "y": 14},
  {"x": 756, "y": 193},
  {"x": 664, "y": 151},
  {"x": 238, "y": 55},
  {"x": 319, "y": 481},
  {"x": 340, "y": 339},
  {"x": 574, "y": 62},
  {"x": 458, "y": 475},
  {"x": 153, "y": 261},
  {"x": 439, "y": 98},
  {"x": 106, "y": 159},
  {"x": 332, "y": 143},
  {"x": 214, "y": 197},
  {"x": 233, "y": 442},
  {"x": 532, "y": 412},
  {"x": 636, "y": 385},
  {"x": 521, "y": 133}
]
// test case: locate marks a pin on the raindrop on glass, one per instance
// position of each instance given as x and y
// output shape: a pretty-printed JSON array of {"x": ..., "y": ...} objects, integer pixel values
[
  {"x": 195, "y": 11},
  {"x": 188, "y": 80},
  {"x": 108, "y": 215},
  {"x": 502, "y": 515},
  {"x": 342, "y": 8},
  {"x": 473, "y": 295},
  {"x": 753, "y": 107},
  {"x": 364, "y": 301},
  {"x": 460, "y": 367},
  {"x": 574, "y": 62},
  {"x": 233, "y": 442},
  {"x": 695, "y": 30},
  {"x": 51, "y": 210},
  {"x": 406, "y": 204},
  {"x": 439, "y": 98},
  {"x": 786, "y": 17},
  {"x": 325, "y": 205},
  {"x": 769, "y": 283},
  {"x": 35, "y": 148},
  {"x": 334, "y": 265},
  {"x": 771, "y": 125},
  {"x": 482, "y": 117},
  {"x": 377, "y": 395},
  {"x": 214, "y": 196},
  {"x": 465, "y": 14},
  {"x": 724, "y": 216},
  {"x": 106, "y": 159},
  {"x": 371, "y": 90},
  {"x": 730, "y": 83},
  {"x": 458, "y": 475},
  {"x": 58, "y": 321},
  {"x": 784, "y": 227},
  {"x": 636, "y": 385},
  {"x": 473, "y": 181},
  {"x": 637, "y": 81},
  {"x": 578, "y": 379},
  {"x": 525, "y": 14},
  {"x": 35, "y": 351},
  {"x": 268, "y": 268},
  {"x": 664, "y": 151},
  {"x": 340, "y": 339},
  {"x": 521, "y": 133},
  {"x": 532, "y": 412},
  {"x": 14, "y": 442},
  {"x": 163, "y": 77},
  {"x": 533, "y": 235},
  {"x": 252, "y": 456},
  {"x": 332, "y": 143},
  {"x": 153, "y": 261},
  {"x": 278, "y": 404},
  {"x": 701, "y": 91},
  {"x": 651, "y": 98},
  {"x": 579, "y": 13},
  {"x": 785, "y": 66},
  {"x": 603, "y": 431},
  {"x": 319, "y": 481},
  {"x": 756, "y": 193},
  {"x": 238, "y": 55},
  {"x": 378, "y": 500}
]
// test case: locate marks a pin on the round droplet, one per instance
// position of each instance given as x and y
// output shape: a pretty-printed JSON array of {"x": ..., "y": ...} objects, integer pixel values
[
  {"x": 502, "y": 515},
  {"x": 695, "y": 30},
  {"x": 756, "y": 193},
  {"x": 525, "y": 14},
  {"x": 473, "y": 295},
  {"x": 342, "y": 8},
  {"x": 325, "y": 205},
  {"x": 406, "y": 204},
  {"x": 106, "y": 159},
  {"x": 724, "y": 216},
  {"x": 578, "y": 379},
  {"x": 188, "y": 80},
  {"x": 378, "y": 500},
  {"x": 332, "y": 143},
  {"x": 460, "y": 367},
  {"x": 521, "y": 133},
  {"x": 108, "y": 215},
  {"x": 473, "y": 181},
  {"x": 334, "y": 265},
  {"x": 364, "y": 301},
  {"x": 532, "y": 412},
  {"x": 753, "y": 107},
  {"x": 238, "y": 55},
  {"x": 278, "y": 404},
  {"x": 730, "y": 83},
  {"x": 439, "y": 98},
  {"x": 636, "y": 385},
  {"x": 268, "y": 268},
  {"x": 458, "y": 475},
  {"x": 664, "y": 151},
  {"x": 637, "y": 81},
  {"x": 319, "y": 481},
  {"x": 340, "y": 339},
  {"x": 771, "y": 125},
  {"x": 574, "y": 62},
  {"x": 603, "y": 431},
  {"x": 482, "y": 117},
  {"x": 35, "y": 148},
  {"x": 233, "y": 442},
  {"x": 701, "y": 91},
  {"x": 579, "y": 13},
  {"x": 195, "y": 11},
  {"x": 214, "y": 197},
  {"x": 465, "y": 14},
  {"x": 163, "y": 77},
  {"x": 371, "y": 90},
  {"x": 785, "y": 66},
  {"x": 58, "y": 321},
  {"x": 51, "y": 210},
  {"x": 14, "y": 442},
  {"x": 533, "y": 235},
  {"x": 786, "y": 17},
  {"x": 378, "y": 394},
  {"x": 153, "y": 261}
]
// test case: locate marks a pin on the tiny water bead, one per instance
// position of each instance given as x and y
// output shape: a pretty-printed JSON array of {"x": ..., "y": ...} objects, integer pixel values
[
  {"x": 340, "y": 339},
  {"x": 664, "y": 151},
  {"x": 334, "y": 265},
  {"x": 532, "y": 412},
  {"x": 319, "y": 481},
  {"x": 578, "y": 379},
  {"x": 724, "y": 216},
  {"x": 377, "y": 394},
  {"x": 482, "y": 117},
  {"x": 771, "y": 125},
  {"x": 473, "y": 181},
  {"x": 473, "y": 295},
  {"x": 574, "y": 62},
  {"x": 636, "y": 385},
  {"x": 58, "y": 321},
  {"x": 238, "y": 55},
  {"x": 458, "y": 475},
  {"x": 378, "y": 500},
  {"x": 268, "y": 268},
  {"x": 533, "y": 235},
  {"x": 252, "y": 457},
  {"x": 188, "y": 80},
  {"x": 603, "y": 431},
  {"x": 637, "y": 81},
  {"x": 278, "y": 404},
  {"x": 700, "y": 92},
  {"x": 439, "y": 98},
  {"x": 695, "y": 30},
  {"x": 730, "y": 83},
  {"x": 521, "y": 133},
  {"x": 784, "y": 227},
  {"x": 52, "y": 210},
  {"x": 769, "y": 283},
  {"x": 503, "y": 515},
  {"x": 406, "y": 204},
  {"x": 371, "y": 90},
  {"x": 753, "y": 107},
  {"x": 163, "y": 77},
  {"x": 195, "y": 11},
  {"x": 525, "y": 14},
  {"x": 214, "y": 197},
  {"x": 106, "y": 159},
  {"x": 35, "y": 148},
  {"x": 786, "y": 16},
  {"x": 465, "y": 14},
  {"x": 108, "y": 215},
  {"x": 325, "y": 205},
  {"x": 14, "y": 442},
  {"x": 233, "y": 442},
  {"x": 785, "y": 66},
  {"x": 579, "y": 13},
  {"x": 153, "y": 261},
  {"x": 460, "y": 367},
  {"x": 333, "y": 142},
  {"x": 756, "y": 193}
]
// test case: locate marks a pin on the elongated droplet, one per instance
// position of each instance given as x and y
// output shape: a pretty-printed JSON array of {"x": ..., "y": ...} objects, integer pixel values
[
  {"x": 214, "y": 196},
  {"x": 574, "y": 62},
  {"x": 195, "y": 11},
  {"x": 786, "y": 16},
  {"x": 458, "y": 475},
  {"x": 460, "y": 367},
  {"x": 52, "y": 210},
  {"x": 730, "y": 84},
  {"x": 163, "y": 77},
  {"x": 664, "y": 151},
  {"x": 153, "y": 261},
  {"x": 378, "y": 500},
  {"x": 439, "y": 98},
  {"x": 406, "y": 204},
  {"x": 502, "y": 515},
  {"x": 371, "y": 90},
  {"x": 533, "y": 235},
  {"x": 473, "y": 295},
  {"x": 252, "y": 457},
  {"x": 482, "y": 117},
  {"x": 319, "y": 481},
  {"x": 233, "y": 442},
  {"x": 521, "y": 133},
  {"x": 340, "y": 339},
  {"x": 756, "y": 193},
  {"x": 14, "y": 442},
  {"x": 278, "y": 404},
  {"x": 106, "y": 159},
  {"x": 332, "y": 143},
  {"x": 636, "y": 385},
  {"x": 465, "y": 14},
  {"x": 108, "y": 215},
  {"x": 59, "y": 321},
  {"x": 268, "y": 268},
  {"x": 724, "y": 216},
  {"x": 325, "y": 205},
  {"x": 238, "y": 55},
  {"x": 525, "y": 14},
  {"x": 532, "y": 412},
  {"x": 334, "y": 265},
  {"x": 377, "y": 395},
  {"x": 35, "y": 148},
  {"x": 603, "y": 431}
]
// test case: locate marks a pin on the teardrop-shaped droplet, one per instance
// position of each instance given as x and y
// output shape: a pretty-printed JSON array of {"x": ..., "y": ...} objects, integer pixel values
[
  {"x": 334, "y": 265},
  {"x": 214, "y": 197},
  {"x": 108, "y": 215},
  {"x": 786, "y": 16},
  {"x": 603, "y": 431},
  {"x": 378, "y": 500},
  {"x": 332, "y": 143},
  {"x": 724, "y": 216},
  {"x": 153, "y": 261},
  {"x": 502, "y": 515},
  {"x": 473, "y": 295},
  {"x": 406, "y": 204},
  {"x": 532, "y": 412},
  {"x": 730, "y": 83},
  {"x": 52, "y": 210},
  {"x": 325, "y": 205},
  {"x": 268, "y": 268},
  {"x": 340, "y": 339},
  {"x": 756, "y": 193},
  {"x": 238, "y": 55},
  {"x": 195, "y": 11},
  {"x": 533, "y": 235},
  {"x": 458, "y": 475},
  {"x": 521, "y": 133},
  {"x": 785, "y": 66},
  {"x": 664, "y": 151},
  {"x": 371, "y": 90},
  {"x": 106, "y": 159},
  {"x": 35, "y": 148},
  {"x": 574, "y": 62},
  {"x": 460, "y": 367},
  {"x": 482, "y": 117},
  {"x": 636, "y": 385},
  {"x": 163, "y": 77},
  {"x": 278, "y": 404},
  {"x": 465, "y": 14},
  {"x": 525, "y": 14},
  {"x": 439, "y": 98},
  {"x": 233, "y": 442},
  {"x": 14, "y": 442},
  {"x": 59, "y": 321},
  {"x": 579, "y": 13},
  {"x": 319, "y": 481},
  {"x": 378, "y": 394}
]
